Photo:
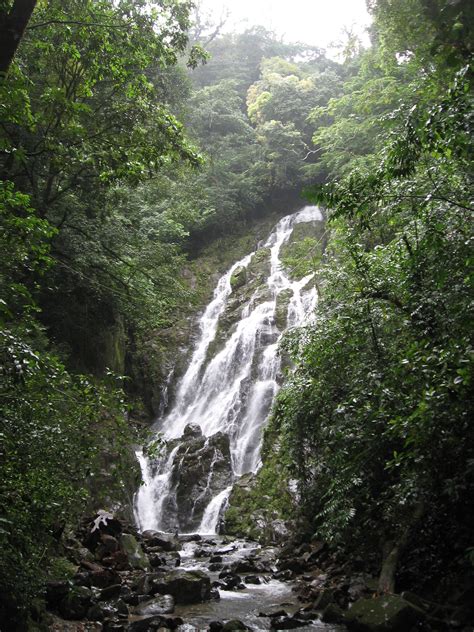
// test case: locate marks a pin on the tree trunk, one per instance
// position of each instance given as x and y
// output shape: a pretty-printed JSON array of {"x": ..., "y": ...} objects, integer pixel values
[
  {"x": 12, "y": 27},
  {"x": 394, "y": 551}
]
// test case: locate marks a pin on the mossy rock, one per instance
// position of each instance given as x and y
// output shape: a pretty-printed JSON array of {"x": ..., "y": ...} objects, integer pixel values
[
  {"x": 389, "y": 613},
  {"x": 281, "y": 309},
  {"x": 134, "y": 552},
  {"x": 238, "y": 278}
]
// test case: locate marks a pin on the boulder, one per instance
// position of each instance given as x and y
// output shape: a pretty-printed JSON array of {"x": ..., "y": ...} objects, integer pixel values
[
  {"x": 388, "y": 613},
  {"x": 202, "y": 469},
  {"x": 104, "y": 577},
  {"x": 185, "y": 586},
  {"x": 285, "y": 623},
  {"x": 235, "y": 624},
  {"x": 192, "y": 431},
  {"x": 166, "y": 541},
  {"x": 107, "y": 610},
  {"x": 76, "y": 603},
  {"x": 135, "y": 554},
  {"x": 190, "y": 537},
  {"x": 238, "y": 278},
  {"x": 332, "y": 613},
  {"x": 111, "y": 592},
  {"x": 139, "y": 623},
  {"x": 160, "y": 604}
]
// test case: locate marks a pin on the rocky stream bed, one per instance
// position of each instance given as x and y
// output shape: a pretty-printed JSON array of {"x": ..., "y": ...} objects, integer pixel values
[{"x": 126, "y": 581}]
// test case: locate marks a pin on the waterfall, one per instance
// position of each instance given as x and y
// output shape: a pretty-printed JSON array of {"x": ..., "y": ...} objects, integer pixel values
[{"x": 227, "y": 397}]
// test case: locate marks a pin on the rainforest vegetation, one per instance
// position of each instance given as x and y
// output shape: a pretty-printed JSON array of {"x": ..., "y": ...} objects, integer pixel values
[{"x": 135, "y": 139}]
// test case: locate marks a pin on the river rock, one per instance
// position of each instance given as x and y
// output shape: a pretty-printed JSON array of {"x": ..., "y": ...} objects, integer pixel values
[
  {"x": 135, "y": 554},
  {"x": 235, "y": 624},
  {"x": 104, "y": 577},
  {"x": 146, "y": 623},
  {"x": 389, "y": 613},
  {"x": 166, "y": 541},
  {"x": 185, "y": 586},
  {"x": 332, "y": 613},
  {"x": 161, "y": 604},
  {"x": 111, "y": 592},
  {"x": 285, "y": 623},
  {"x": 107, "y": 610}
]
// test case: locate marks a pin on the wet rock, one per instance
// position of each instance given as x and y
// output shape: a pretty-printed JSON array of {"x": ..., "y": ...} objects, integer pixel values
[
  {"x": 332, "y": 613},
  {"x": 173, "y": 559},
  {"x": 216, "y": 559},
  {"x": 134, "y": 552},
  {"x": 111, "y": 592},
  {"x": 202, "y": 552},
  {"x": 184, "y": 586},
  {"x": 76, "y": 603},
  {"x": 235, "y": 624},
  {"x": 230, "y": 580},
  {"x": 193, "y": 537},
  {"x": 389, "y": 613},
  {"x": 285, "y": 623},
  {"x": 138, "y": 623},
  {"x": 280, "y": 530},
  {"x": 104, "y": 578},
  {"x": 107, "y": 610},
  {"x": 238, "y": 278},
  {"x": 118, "y": 560},
  {"x": 162, "y": 604},
  {"x": 324, "y": 598},
  {"x": 250, "y": 566},
  {"x": 285, "y": 575},
  {"x": 108, "y": 543},
  {"x": 215, "y": 567},
  {"x": 202, "y": 470},
  {"x": 215, "y": 626},
  {"x": 215, "y": 594},
  {"x": 281, "y": 309},
  {"x": 82, "y": 579},
  {"x": 252, "y": 579},
  {"x": 164, "y": 541},
  {"x": 156, "y": 560},
  {"x": 192, "y": 431}
]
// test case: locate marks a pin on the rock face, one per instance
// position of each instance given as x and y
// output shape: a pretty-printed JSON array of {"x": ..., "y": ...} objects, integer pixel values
[
  {"x": 185, "y": 586},
  {"x": 202, "y": 468}
]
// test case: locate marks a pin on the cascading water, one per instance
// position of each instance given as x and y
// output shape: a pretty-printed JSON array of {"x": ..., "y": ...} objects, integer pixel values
[{"x": 222, "y": 401}]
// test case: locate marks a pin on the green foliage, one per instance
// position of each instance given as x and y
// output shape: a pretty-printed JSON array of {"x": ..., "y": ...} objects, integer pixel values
[
  {"x": 374, "y": 420},
  {"x": 53, "y": 430}
]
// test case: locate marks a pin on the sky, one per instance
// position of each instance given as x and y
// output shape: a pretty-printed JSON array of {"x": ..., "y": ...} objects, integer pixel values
[{"x": 316, "y": 22}]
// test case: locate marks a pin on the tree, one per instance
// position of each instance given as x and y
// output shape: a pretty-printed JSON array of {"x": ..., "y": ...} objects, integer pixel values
[{"x": 13, "y": 22}]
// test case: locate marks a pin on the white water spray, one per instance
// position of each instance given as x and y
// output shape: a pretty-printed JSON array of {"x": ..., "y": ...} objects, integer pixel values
[{"x": 234, "y": 391}]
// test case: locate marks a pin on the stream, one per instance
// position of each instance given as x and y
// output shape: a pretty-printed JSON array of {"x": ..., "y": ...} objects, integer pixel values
[{"x": 251, "y": 602}]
